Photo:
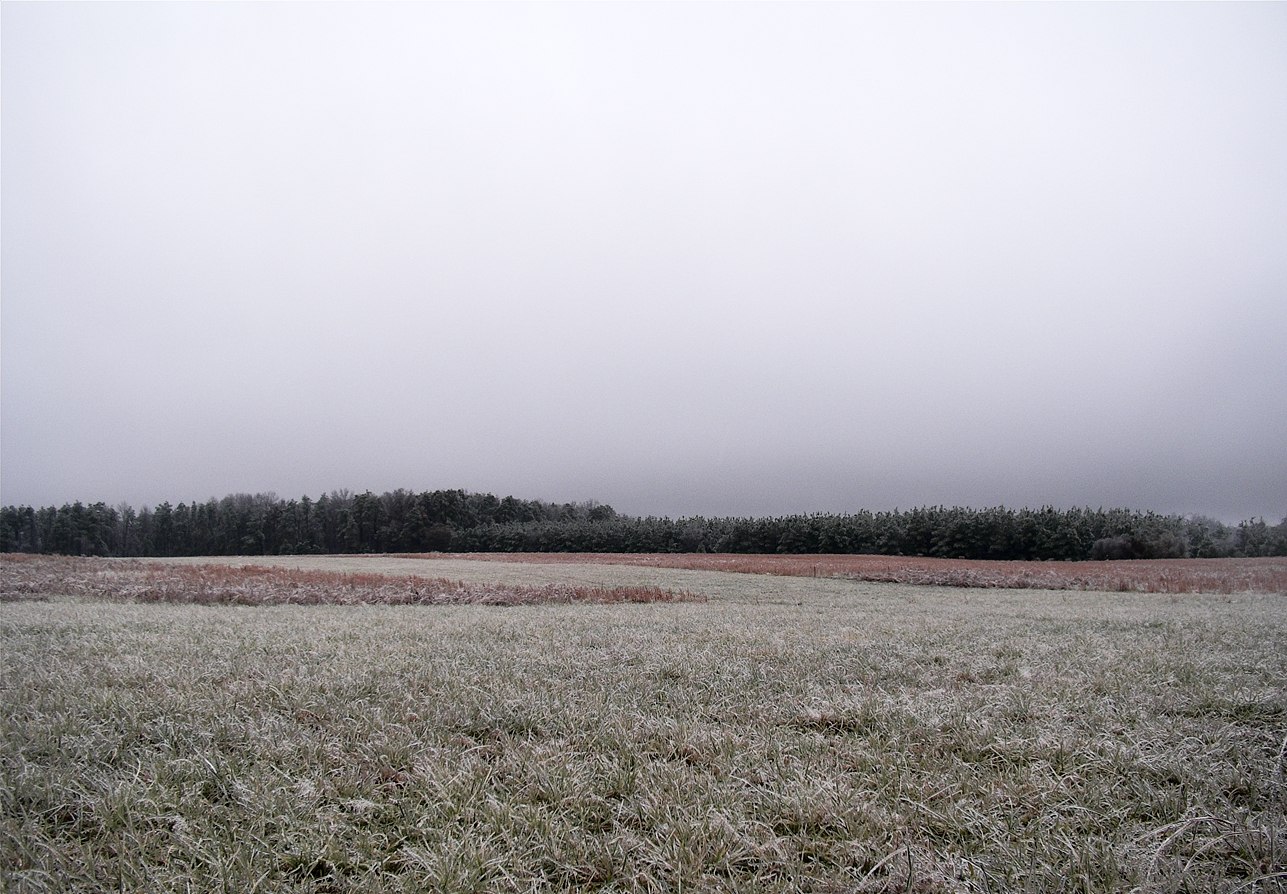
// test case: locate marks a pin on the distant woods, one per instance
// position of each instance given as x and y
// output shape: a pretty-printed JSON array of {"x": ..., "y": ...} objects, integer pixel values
[{"x": 458, "y": 521}]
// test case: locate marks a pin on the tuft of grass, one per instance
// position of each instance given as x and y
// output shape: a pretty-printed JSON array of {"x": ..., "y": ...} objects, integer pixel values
[{"x": 847, "y": 737}]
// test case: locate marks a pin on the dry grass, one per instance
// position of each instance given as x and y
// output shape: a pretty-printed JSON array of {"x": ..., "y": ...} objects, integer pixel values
[
  {"x": 41, "y": 577},
  {"x": 847, "y": 737},
  {"x": 1267, "y": 575}
]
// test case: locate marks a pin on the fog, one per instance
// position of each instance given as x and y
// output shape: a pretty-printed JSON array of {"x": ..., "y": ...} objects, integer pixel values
[{"x": 682, "y": 259}]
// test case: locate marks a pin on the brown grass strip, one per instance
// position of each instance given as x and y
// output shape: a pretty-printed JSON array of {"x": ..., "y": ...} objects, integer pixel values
[
  {"x": 43, "y": 577},
  {"x": 1261, "y": 575}
]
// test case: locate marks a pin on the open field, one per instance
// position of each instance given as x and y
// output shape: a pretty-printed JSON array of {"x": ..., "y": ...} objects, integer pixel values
[
  {"x": 239, "y": 583},
  {"x": 788, "y": 734},
  {"x": 1262, "y": 575}
]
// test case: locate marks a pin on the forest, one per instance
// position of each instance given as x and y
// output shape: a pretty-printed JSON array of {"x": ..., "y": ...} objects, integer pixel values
[{"x": 401, "y": 521}]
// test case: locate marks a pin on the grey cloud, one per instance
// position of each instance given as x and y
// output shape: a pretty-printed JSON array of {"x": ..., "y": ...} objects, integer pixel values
[{"x": 724, "y": 258}]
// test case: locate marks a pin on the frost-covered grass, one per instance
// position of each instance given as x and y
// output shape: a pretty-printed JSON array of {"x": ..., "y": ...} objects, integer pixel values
[
  {"x": 821, "y": 736},
  {"x": 1258, "y": 575},
  {"x": 24, "y": 577}
]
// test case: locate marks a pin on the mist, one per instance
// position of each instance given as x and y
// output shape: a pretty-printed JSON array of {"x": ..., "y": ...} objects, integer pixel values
[{"x": 683, "y": 259}]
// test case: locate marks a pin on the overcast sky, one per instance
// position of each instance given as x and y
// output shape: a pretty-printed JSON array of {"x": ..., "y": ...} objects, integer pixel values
[{"x": 715, "y": 259}]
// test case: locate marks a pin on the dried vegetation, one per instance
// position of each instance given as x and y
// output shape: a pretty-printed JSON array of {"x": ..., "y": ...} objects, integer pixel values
[
  {"x": 42, "y": 577},
  {"x": 865, "y": 738},
  {"x": 1261, "y": 575}
]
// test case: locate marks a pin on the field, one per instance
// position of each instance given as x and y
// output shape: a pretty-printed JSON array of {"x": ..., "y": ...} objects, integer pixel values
[
  {"x": 1268, "y": 575},
  {"x": 240, "y": 583},
  {"x": 545, "y": 730}
]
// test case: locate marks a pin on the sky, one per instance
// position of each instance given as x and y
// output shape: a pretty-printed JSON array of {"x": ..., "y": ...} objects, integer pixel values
[{"x": 717, "y": 259}]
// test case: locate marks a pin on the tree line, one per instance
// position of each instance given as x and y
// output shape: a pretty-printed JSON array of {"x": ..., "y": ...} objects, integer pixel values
[{"x": 459, "y": 521}]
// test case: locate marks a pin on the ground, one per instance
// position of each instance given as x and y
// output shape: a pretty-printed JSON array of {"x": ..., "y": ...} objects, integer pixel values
[{"x": 786, "y": 734}]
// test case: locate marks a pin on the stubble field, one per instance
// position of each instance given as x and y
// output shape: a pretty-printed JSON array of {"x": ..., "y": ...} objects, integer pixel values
[{"x": 789, "y": 733}]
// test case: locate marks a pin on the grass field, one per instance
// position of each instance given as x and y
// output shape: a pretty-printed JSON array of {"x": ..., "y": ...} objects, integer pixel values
[
  {"x": 788, "y": 734},
  {"x": 1259, "y": 575}
]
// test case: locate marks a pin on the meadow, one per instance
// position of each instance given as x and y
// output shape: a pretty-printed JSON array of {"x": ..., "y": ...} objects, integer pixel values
[
  {"x": 1228, "y": 575},
  {"x": 717, "y": 731}
]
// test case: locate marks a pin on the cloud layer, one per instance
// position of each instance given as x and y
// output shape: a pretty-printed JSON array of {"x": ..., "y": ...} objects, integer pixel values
[{"x": 682, "y": 259}]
